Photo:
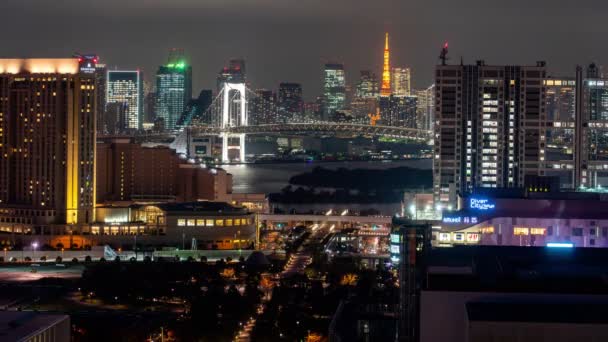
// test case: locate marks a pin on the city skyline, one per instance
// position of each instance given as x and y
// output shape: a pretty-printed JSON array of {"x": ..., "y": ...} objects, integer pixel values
[{"x": 134, "y": 39}]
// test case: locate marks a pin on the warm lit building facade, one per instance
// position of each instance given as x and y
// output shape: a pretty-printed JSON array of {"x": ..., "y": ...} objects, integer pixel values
[
  {"x": 129, "y": 172},
  {"x": 489, "y": 127},
  {"x": 47, "y": 141},
  {"x": 401, "y": 85}
]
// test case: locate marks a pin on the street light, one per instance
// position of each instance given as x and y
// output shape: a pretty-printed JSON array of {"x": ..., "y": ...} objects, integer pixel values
[{"x": 34, "y": 245}]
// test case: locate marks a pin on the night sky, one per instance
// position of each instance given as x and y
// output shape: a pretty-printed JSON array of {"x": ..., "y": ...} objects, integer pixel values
[{"x": 289, "y": 40}]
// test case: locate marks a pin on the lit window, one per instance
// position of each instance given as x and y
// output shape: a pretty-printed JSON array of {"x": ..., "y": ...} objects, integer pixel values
[
  {"x": 537, "y": 231},
  {"x": 229, "y": 222},
  {"x": 181, "y": 222},
  {"x": 209, "y": 223},
  {"x": 237, "y": 222},
  {"x": 487, "y": 230},
  {"x": 191, "y": 222},
  {"x": 200, "y": 222},
  {"x": 521, "y": 231},
  {"x": 219, "y": 222}
]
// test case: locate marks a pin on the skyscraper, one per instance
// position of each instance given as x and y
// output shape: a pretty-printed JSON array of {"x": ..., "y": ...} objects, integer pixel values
[
  {"x": 385, "y": 89},
  {"x": 367, "y": 86},
  {"x": 263, "y": 108},
  {"x": 490, "y": 127},
  {"x": 173, "y": 89},
  {"x": 401, "y": 81},
  {"x": 334, "y": 89},
  {"x": 101, "y": 72},
  {"x": 47, "y": 140},
  {"x": 126, "y": 87},
  {"x": 234, "y": 72},
  {"x": 425, "y": 107},
  {"x": 290, "y": 102}
]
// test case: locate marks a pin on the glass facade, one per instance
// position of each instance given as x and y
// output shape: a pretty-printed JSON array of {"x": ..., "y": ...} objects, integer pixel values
[
  {"x": 334, "y": 90},
  {"x": 126, "y": 88}
]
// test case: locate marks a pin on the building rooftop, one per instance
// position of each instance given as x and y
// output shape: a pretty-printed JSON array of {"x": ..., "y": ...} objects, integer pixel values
[
  {"x": 202, "y": 207},
  {"x": 20, "y": 326},
  {"x": 517, "y": 269},
  {"x": 574, "y": 310}
]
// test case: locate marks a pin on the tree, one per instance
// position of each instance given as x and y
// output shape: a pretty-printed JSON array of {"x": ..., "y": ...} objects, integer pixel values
[
  {"x": 58, "y": 259},
  {"x": 349, "y": 279},
  {"x": 117, "y": 259},
  {"x": 147, "y": 259},
  {"x": 228, "y": 273},
  {"x": 75, "y": 260},
  {"x": 87, "y": 258},
  {"x": 203, "y": 259}
]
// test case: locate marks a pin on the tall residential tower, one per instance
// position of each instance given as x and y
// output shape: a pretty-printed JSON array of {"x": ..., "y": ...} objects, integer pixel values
[{"x": 173, "y": 89}]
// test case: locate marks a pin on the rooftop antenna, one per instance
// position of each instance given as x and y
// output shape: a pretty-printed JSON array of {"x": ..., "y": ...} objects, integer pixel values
[{"x": 444, "y": 54}]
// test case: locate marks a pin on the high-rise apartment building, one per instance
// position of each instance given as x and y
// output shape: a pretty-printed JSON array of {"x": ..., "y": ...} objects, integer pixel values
[
  {"x": 173, "y": 89},
  {"x": 290, "y": 103},
  {"x": 263, "y": 108},
  {"x": 334, "y": 89},
  {"x": 47, "y": 141},
  {"x": 101, "y": 72},
  {"x": 401, "y": 82},
  {"x": 490, "y": 127},
  {"x": 592, "y": 129},
  {"x": 398, "y": 111},
  {"x": 126, "y": 87},
  {"x": 560, "y": 133}
]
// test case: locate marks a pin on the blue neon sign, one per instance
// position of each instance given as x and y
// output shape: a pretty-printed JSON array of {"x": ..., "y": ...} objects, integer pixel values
[
  {"x": 460, "y": 219},
  {"x": 481, "y": 204},
  {"x": 560, "y": 245}
]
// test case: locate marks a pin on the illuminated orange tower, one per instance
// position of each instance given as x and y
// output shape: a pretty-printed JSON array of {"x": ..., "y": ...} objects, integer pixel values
[{"x": 385, "y": 90}]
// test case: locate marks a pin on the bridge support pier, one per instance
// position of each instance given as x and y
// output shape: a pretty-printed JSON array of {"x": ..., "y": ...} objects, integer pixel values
[{"x": 226, "y": 146}]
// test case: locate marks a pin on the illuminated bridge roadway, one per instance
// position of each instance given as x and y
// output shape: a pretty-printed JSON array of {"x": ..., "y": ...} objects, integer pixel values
[
  {"x": 339, "y": 220},
  {"x": 318, "y": 128}
]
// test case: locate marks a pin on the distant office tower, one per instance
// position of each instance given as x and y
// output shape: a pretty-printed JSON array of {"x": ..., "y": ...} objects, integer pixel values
[
  {"x": 367, "y": 86},
  {"x": 362, "y": 108},
  {"x": 126, "y": 87},
  {"x": 312, "y": 110},
  {"x": 149, "y": 107},
  {"x": 263, "y": 108},
  {"x": 490, "y": 127},
  {"x": 334, "y": 90},
  {"x": 47, "y": 141},
  {"x": 385, "y": 89},
  {"x": 560, "y": 131},
  {"x": 290, "y": 104},
  {"x": 398, "y": 111},
  {"x": 401, "y": 81},
  {"x": 425, "y": 107},
  {"x": 196, "y": 110},
  {"x": 173, "y": 88},
  {"x": 234, "y": 72}
]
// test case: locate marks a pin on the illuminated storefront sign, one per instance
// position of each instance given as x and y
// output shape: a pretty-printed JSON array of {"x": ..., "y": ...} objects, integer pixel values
[
  {"x": 473, "y": 237},
  {"x": 395, "y": 238},
  {"x": 481, "y": 204},
  {"x": 444, "y": 237},
  {"x": 460, "y": 219},
  {"x": 458, "y": 237}
]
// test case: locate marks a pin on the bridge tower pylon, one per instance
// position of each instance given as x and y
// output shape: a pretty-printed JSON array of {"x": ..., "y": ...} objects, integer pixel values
[{"x": 234, "y": 114}]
